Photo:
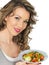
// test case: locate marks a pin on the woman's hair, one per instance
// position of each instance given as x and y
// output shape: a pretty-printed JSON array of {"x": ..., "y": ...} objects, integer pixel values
[{"x": 22, "y": 38}]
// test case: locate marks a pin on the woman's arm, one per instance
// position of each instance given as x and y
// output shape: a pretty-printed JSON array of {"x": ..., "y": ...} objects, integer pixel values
[{"x": 24, "y": 63}]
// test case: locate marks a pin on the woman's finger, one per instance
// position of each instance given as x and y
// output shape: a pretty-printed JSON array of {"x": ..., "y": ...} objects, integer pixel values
[{"x": 37, "y": 63}]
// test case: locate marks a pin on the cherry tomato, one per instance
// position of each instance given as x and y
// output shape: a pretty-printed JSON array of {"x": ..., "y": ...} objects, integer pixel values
[
  {"x": 42, "y": 57},
  {"x": 34, "y": 59}
]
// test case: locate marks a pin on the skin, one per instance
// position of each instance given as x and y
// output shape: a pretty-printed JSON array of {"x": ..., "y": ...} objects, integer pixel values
[{"x": 17, "y": 19}]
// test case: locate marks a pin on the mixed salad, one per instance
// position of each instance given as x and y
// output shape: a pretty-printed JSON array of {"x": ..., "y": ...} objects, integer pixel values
[{"x": 33, "y": 56}]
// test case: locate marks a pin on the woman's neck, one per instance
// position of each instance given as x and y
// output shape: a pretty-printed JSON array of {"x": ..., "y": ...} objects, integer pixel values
[{"x": 5, "y": 36}]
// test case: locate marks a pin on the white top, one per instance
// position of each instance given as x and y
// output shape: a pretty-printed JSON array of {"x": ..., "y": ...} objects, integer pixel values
[
  {"x": 6, "y": 60},
  {"x": 10, "y": 58}
]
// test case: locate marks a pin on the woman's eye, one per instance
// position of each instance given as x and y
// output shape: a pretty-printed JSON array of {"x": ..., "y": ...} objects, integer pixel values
[
  {"x": 26, "y": 21},
  {"x": 17, "y": 18}
]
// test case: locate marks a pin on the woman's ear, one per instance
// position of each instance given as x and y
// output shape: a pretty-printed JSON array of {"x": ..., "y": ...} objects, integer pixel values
[{"x": 6, "y": 18}]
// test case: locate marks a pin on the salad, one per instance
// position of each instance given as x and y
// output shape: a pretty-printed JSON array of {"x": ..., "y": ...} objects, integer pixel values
[{"x": 33, "y": 56}]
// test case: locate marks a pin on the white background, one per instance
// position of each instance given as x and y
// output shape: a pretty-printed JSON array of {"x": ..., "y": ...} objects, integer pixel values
[{"x": 40, "y": 33}]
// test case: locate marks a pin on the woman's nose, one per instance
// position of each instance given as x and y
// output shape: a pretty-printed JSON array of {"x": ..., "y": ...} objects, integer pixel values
[{"x": 20, "y": 24}]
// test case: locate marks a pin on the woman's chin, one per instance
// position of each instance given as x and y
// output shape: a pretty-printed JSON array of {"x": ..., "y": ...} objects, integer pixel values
[{"x": 15, "y": 34}]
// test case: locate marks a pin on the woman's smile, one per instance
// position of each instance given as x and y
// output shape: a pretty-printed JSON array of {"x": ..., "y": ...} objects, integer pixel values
[{"x": 17, "y": 30}]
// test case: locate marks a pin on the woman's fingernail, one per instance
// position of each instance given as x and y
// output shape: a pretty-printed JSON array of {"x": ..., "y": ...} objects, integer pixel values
[{"x": 39, "y": 63}]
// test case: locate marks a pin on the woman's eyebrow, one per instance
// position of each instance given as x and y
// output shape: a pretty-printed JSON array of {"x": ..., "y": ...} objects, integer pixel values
[
  {"x": 21, "y": 17},
  {"x": 18, "y": 16}
]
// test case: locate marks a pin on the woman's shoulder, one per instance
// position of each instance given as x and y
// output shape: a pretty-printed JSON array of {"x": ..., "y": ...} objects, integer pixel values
[{"x": 0, "y": 43}]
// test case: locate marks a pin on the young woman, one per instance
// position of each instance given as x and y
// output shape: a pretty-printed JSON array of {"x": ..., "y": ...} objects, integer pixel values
[{"x": 16, "y": 18}]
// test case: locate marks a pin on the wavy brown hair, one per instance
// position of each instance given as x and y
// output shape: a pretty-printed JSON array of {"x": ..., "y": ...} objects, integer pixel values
[{"x": 22, "y": 38}]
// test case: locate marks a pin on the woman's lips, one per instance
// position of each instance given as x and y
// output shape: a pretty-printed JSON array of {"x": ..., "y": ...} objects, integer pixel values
[{"x": 17, "y": 29}]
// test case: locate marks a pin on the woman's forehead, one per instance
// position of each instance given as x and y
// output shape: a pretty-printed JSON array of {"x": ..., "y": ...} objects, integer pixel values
[
  {"x": 19, "y": 8},
  {"x": 21, "y": 11}
]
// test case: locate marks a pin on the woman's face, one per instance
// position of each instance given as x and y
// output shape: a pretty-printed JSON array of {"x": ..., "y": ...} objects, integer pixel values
[{"x": 17, "y": 21}]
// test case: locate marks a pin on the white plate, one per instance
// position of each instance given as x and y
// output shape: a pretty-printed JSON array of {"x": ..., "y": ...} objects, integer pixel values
[{"x": 26, "y": 51}]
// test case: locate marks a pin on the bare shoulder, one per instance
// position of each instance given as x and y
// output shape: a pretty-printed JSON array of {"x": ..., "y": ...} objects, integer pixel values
[
  {"x": 0, "y": 40},
  {"x": 0, "y": 44}
]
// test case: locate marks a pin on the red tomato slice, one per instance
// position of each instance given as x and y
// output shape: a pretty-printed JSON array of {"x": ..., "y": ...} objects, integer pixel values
[{"x": 42, "y": 57}]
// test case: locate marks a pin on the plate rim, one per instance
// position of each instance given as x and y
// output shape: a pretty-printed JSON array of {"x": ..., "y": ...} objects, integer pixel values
[{"x": 29, "y": 50}]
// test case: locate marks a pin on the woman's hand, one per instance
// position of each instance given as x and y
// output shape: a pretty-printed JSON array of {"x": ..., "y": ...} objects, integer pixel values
[
  {"x": 37, "y": 63},
  {"x": 24, "y": 63},
  {"x": 21, "y": 63}
]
